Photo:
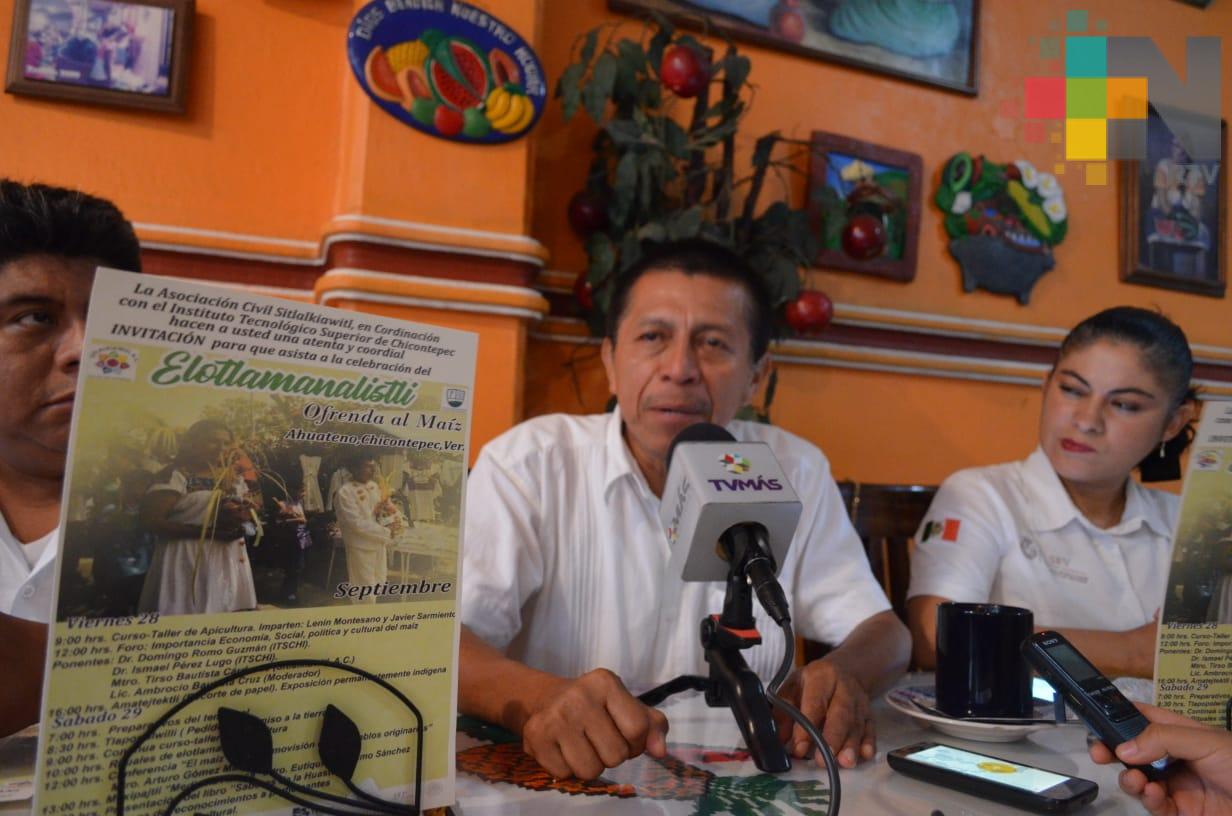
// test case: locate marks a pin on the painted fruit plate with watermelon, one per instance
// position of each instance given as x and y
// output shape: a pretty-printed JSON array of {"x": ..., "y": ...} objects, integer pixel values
[{"x": 455, "y": 72}]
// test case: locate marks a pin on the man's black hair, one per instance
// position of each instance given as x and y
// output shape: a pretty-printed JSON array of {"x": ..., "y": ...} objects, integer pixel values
[
  {"x": 38, "y": 219},
  {"x": 697, "y": 256}
]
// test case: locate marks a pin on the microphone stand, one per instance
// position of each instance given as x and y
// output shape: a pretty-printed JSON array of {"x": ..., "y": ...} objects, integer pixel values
[{"x": 731, "y": 682}]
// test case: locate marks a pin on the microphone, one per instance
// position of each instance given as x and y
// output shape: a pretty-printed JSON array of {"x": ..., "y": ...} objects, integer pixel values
[{"x": 727, "y": 506}]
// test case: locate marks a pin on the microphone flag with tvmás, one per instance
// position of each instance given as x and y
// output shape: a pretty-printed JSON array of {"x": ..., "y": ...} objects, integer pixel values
[{"x": 715, "y": 483}]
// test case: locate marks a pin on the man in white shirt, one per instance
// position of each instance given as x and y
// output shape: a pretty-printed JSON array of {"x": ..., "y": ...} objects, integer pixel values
[
  {"x": 566, "y": 599},
  {"x": 51, "y": 240}
]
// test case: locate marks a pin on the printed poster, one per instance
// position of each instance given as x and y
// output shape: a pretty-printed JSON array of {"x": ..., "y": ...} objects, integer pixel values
[
  {"x": 1193, "y": 665},
  {"x": 253, "y": 480}
]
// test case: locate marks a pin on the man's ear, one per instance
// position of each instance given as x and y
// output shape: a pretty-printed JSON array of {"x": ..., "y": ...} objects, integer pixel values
[
  {"x": 607, "y": 350},
  {"x": 761, "y": 370}
]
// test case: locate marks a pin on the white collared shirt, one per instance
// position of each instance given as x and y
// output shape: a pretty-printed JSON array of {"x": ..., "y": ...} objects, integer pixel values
[
  {"x": 26, "y": 591},
  {"x": 1010, "y": 534},
  {"x": 565, "y": 558}
]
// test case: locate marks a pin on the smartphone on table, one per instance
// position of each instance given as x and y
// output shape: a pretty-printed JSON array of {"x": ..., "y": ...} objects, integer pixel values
[
  {"x": 1105, "y": 710},
  {"x": 994, "y": 778}
]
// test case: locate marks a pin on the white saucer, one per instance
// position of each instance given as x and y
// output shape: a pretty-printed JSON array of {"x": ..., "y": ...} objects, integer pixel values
[{"x": 902, "y": 698}]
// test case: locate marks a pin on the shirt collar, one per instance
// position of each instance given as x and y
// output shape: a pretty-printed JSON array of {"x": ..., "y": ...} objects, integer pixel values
[
  {"x": 8, "y": 539},
  {"x": 1052, "y": 508},
  {"x": 620, "y": 462},
  {"x": 1139, "y": 510}
]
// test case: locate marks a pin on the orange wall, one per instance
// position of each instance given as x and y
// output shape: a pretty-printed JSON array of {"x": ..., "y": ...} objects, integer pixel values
[
  {"x": 797, "y": 95},
  {"x": 880, "y": 426},
  {"x": 256, "y": 151},
  {"x": 278, "y": 139}
]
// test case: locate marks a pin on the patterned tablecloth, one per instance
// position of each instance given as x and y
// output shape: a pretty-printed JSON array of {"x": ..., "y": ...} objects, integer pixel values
[{"x": 708, "y": 772}]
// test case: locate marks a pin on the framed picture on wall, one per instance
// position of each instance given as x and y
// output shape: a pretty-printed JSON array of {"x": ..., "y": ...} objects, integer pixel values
[
  {"x": 934, "y": 42},
  {"x": 131, "y": 53},
  {"x": 864, "y": 206},
  {"x": 1174, "y": 224}
]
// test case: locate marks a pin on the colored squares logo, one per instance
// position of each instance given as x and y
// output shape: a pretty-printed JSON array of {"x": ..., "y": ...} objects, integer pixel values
[
  {"x": 1045, "y": 97},
  {"x": 1086, "y": 57},
  {"x": 1085, "y": 98},
  {"x": 1126, "y": 97},
  {"x": 1086, "y": 139}
]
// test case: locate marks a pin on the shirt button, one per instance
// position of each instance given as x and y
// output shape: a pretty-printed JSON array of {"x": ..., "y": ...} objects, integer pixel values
[{"x": 27, "y": 592}]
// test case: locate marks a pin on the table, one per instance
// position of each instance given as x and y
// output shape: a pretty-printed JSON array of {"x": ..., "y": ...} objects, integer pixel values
[
  {"x": 707, "y": 770},
  {"x": 435, "y": 543},
  {"x": 704, "y": 765}
]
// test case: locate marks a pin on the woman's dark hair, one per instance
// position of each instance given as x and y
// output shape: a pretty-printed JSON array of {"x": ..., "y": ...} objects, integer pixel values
[
  {"x": 697, "y": 256},
  {"x": 37, "y": 219},
  {"x": 1165, "y": 351}
]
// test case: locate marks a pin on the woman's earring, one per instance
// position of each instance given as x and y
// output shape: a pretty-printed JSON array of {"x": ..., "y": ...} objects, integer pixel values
[{"x": 1162, "y": 453}]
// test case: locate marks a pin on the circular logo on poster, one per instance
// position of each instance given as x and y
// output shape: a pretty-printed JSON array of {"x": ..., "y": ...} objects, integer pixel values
[
  {"x": 113, "y": 361},
  {"x": 448, "y": 69}
]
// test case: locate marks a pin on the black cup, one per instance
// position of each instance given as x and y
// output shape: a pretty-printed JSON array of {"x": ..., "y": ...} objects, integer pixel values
[{"x": 980, "y": 668}]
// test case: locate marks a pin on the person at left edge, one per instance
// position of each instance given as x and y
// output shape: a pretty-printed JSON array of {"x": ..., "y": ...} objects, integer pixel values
[
  {"x": 51, "y": 240},
  {"x": 567, "y": 603}
]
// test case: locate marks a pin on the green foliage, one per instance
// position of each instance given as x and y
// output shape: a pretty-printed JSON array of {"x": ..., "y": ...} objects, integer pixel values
[{"x": 665, "y": 166}]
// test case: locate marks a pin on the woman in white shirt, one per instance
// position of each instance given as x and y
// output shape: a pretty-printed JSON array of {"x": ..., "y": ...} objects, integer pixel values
[
  {"x": 1068, "y": 533},
  {"x": 200, "y": 563}
]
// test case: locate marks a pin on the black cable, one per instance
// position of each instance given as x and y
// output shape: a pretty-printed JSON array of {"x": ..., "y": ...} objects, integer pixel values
[
  {"x": 772, "y": 694},
  {"x": 380, "y": 804},
  {"x": 122, "y": 769},
  {"x": 257, "y": 783}
]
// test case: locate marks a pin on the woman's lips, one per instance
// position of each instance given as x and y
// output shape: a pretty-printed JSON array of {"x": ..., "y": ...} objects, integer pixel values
[{"x": 1075, "y": 447}]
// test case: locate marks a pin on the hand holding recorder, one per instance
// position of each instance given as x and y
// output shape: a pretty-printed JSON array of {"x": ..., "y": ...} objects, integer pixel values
[
  {"x": 1106, "y": 711},
  {"x": 1200, "y": 786}
]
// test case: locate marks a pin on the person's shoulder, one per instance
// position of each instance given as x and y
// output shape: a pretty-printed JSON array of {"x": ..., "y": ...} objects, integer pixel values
[
  {"x": 997, "y": 477},
  {"x": 1158, "y": 495},
  {"x": 1166, "y": 503},
  {"x": 989, "y": 491},
  {"x": 548, "y": 435},
  {"x": 788, "y": 447}
]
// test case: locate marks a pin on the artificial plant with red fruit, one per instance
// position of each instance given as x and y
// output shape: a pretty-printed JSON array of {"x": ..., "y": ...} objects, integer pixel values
[{"x": 664, "y": 165}]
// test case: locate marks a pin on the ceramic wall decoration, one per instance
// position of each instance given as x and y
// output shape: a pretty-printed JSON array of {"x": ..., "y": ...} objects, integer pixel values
[
  {"x": 1003, "y": 221},
  {"x": 455, "y": 72}
]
